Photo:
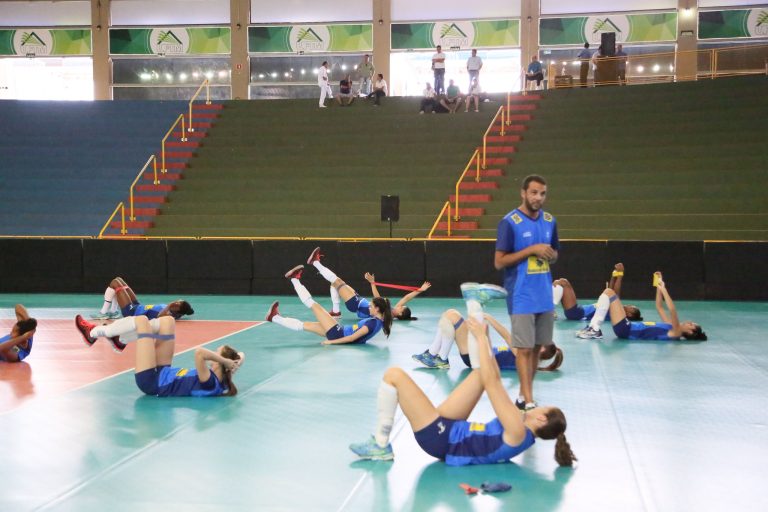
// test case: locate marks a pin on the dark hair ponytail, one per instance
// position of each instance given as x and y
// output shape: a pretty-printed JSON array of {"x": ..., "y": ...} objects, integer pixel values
[
  {"x": 697, "y": 335},
  {"x": 555, "y": 429},
  {"x": 232, "y": 354},
  {"x": 386, "y": 312},
  {"x": 26, "y": 325},
  {"x": 563, "y": 454}
]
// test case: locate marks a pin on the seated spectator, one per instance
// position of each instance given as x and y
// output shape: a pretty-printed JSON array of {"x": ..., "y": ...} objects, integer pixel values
[
  {"x": 345, "y": 92},
  {"x": 429, "y": 99},
  {"x": 474, "y": 94},
  {"x": 452, "y": 99},
  {"x": 379, "y": 90},
  {"x": 534, "y": 72}
]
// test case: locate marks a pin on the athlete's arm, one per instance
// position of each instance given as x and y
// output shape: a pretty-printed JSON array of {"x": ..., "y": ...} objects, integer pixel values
[
  {"x": 660, "y": 304},
  {"x": 673, "y": 319},
  {"x": 348, "y": 339},
  {"x": 424, "y": 287},
  {"x": 503, "y": 259},
  {"x": 503, "y": 332},
  {"x": 202, "y": 356},
  {"x": 615, "y": 284},
  {"x": 21, "y": 313},
  {"x": 371, "y": 279},
  {"x": 508, "y": 414}
]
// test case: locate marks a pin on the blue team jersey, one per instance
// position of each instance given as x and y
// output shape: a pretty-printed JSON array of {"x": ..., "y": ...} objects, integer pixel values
[
  {"x": 529, "y": 283},
  {"x": 505, "y": 358},
  {"x": 21, "y": 352},
  {"x": 650, "y": 331},
  {"x": 185, "y": 382},
  {"x": 137, "y": 309},
  {"x": 482, "y": 443},
  {"x": 374, "y": 326}
]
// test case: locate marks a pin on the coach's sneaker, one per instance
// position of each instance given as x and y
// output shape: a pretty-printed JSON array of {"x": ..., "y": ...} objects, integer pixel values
[
  {"x": 117, "y": 345},
  {"x": 588, "y": 333},
  {"x": 370, "y": 450},
  {"x": 295, "y": 272},
  {"x": 273, "y": 311},
  {"x": 315, "y": 256},
  {"x": 85, "y": 327},
  {"x": 520, "y": 404},
  {"x": 482, "y": 293}
]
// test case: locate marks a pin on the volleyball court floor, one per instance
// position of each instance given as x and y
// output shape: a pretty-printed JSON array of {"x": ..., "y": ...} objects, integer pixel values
[{"x": 657, "y": 426}]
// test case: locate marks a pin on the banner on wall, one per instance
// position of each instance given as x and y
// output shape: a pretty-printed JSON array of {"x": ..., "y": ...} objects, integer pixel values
[
  {"x": 170, "y": 41},
  {"x": 629, "y": 28},
  {"x": 310, "y": 38},
  {"x": 456, "y": 34},
  {"x": 733, "y": 23},
  {"x": 44, "y": 42}
]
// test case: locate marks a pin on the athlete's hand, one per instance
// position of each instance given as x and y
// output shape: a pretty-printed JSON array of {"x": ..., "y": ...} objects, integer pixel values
[
  {"x": 326, "y": 342},
  {"x": 619, "y": 267},
  {"x": 543, "y": 251},
  {"x": 424, "y": 287},
  {"x": 369, "y": 277}
]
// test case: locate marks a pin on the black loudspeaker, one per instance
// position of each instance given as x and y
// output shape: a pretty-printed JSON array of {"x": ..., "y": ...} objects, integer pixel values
[
  {"x": 608, "y": 43},
  {"x": 390, "y": 208}
]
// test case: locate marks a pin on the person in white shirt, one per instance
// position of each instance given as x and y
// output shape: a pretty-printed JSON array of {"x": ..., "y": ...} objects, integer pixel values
[
  {"x": 474, "y": 94},
  {"x": 322, "y": 82},
  {"x": 429, "y": 99},
  {"x": 474, "y": 65},
  {"x": 379, "y": 90},
  {"x": 438, "y": 66}
]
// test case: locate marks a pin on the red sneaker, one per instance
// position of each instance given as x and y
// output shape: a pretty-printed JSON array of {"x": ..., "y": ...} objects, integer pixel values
[
  {"x": 315, "y": 256},
  {"x": 273, "y": 312},
  {"x": 117, "y": 345},
  {"x": 335, "y": 314},
  {"x": 85, "y": 327},
  {"x": 295, "y": 272}
]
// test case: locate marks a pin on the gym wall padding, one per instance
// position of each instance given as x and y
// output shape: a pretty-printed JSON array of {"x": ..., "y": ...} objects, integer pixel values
[
  {"x": 209, "y": 266},
  {"x": 51, "y": 266},
  {"x": 141, "y": 263},
  {"x": 694, "y": 270}
]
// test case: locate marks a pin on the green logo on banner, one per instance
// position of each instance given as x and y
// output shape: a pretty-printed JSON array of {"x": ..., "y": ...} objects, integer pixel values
[
  {"x": 596, "y": 26},
  {"x": 760, "y": 27},
  {"x": 451, "y": 30},
  {"x": 168, "y": 42},
  {"x": 316, "y": 38},
  {"x": 168, "y": 38},
  {"x": 457, "y": 34},
  {"x": 36, "y": 42},
  {"x": 605, "y": 25},
  {"x": 308, "y": 36}
]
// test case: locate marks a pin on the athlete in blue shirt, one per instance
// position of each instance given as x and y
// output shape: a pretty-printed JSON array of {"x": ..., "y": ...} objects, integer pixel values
[
  {"x": 670, "y": 327},
  {"x": 452, "y": 328},
  {"x": 526, "y": 244},
  {"x": 377, "y": 317},
  {"x": 444, "y": 432},
  {"x": 119, "y": 294},
  {"x": 563, "y": 292},
  {"x": 155, "y": 344},
  {"x": 17, "y": 345}
]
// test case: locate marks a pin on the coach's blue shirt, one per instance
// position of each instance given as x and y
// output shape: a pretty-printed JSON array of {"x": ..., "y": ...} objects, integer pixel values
[{"x": 529, "y": 283}]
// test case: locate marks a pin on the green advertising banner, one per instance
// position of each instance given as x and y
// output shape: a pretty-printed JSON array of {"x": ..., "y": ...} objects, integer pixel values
[
  {"x": 170, "y": 41},
  {"x": 456, "y": 34},
  {"x": 45, "y": 42},
  {"x": 629, "y": 28},
  {"x": 310, "y": 38},
  {"x": 733, "y": 23}
]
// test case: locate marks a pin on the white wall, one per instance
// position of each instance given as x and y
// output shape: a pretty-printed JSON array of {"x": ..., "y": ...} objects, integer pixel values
[
  {"x": 747, "y": 4},
  {"x": 437, "y": 10},
  {"x": 170, "y": 12},
  {"x": 44, "y": 14},
  {"x": 549, "y": 7},
  {"x": 307, "y": 11}
]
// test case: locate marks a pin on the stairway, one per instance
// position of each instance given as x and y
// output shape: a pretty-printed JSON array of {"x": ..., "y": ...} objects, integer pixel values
[{"x": 475, "y": 192}]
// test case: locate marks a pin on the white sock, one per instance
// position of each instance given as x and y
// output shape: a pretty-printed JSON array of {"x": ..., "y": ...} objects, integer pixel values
[
  {"x": 557, "y": 294},
  {"x": 114, "y": 307},
  {"x": 290, "y": 323},
  {"x": 118, "y": 328},
  {"x": 109, "y": 295},
  {"x": 601, "y": 310},
  {"x": 335, "y": 300},
  {"x": 386, "y": 405},
  {"x": 475, "y": 310},
  {"x": 303, "y": 293},
  {"x": 447, "y": 335},
  {"x": 325, "y": 272},
  {"x": 437, "y": 342}
]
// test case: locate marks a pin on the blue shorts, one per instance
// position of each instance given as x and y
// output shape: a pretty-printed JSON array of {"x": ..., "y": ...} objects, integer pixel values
[
  {"x": 358, "y": 305},
  {"x": 130, "y": 309},
  {"x": 574, "y": 313},
  {"x": 622, "y": 329},
  {"x": 334, "y": 332},
  {"x": 147, "y": 380},
  {"x": 435, "y": 438}
]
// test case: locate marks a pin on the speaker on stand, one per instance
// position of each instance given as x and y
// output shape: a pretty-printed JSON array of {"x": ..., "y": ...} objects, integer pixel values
[{"x": 390, "y": 210}]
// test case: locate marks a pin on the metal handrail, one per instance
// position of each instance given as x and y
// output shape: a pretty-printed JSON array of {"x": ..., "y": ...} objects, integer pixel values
[
  {"x": 207, "y": 86},
  {"x": 485, "y": 136},
  {"x": 152, "y": 159},
  {"x": 439, "y": 216},
  {"x": 183, "y": 138},
  {"x": 475, "y": 156},
  {"x": 123, "y": 231}
]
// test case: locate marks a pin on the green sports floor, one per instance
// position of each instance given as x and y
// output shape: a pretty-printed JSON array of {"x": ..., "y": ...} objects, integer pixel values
[{"x": 657, "y": 426}]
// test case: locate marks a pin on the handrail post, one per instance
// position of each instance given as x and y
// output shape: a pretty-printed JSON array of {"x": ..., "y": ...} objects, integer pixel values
[
  {"x": 477, "y": 161},
  {"x": 449, "y": 219},
  {"x": 207, "y": 92},
  {"x": 183, "y": 131},
  {"x": 130, "y": 195},
  {"x": 502, "y": 122},
  {"x": 456, "y": 213},
  {"x": 714, "y": 69},
  {"x": 485, "y": 149},
  {"x": 123, "y": 231},
  {"x": 162, "y": 154},
  {"x": 154, "y": 169},
  {"x": 508, "y": 105}
]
